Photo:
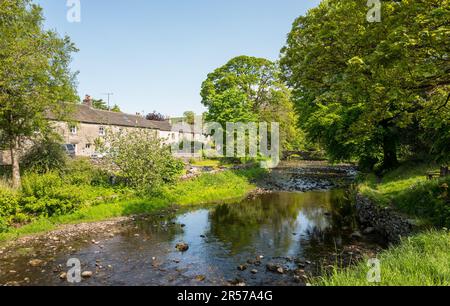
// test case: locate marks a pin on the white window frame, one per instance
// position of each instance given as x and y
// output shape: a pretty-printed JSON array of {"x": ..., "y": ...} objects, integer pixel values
[
  {"x": 73, "y": 130},
  {"x": 102, "y": 131}
]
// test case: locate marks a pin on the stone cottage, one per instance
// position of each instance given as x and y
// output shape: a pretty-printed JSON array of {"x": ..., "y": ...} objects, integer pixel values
[{"x": 89, "y": 124}]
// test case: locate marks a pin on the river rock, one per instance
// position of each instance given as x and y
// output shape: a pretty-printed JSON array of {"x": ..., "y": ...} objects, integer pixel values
[
  {"x": 182, "y": 247},
  {"x": 299, "y": 272},
  {"x": 36, "y": 263},
  {"x": 254, "y": 271},
  {"x": 237, "y": 282},
  {"x": 200, "y": 278},
  {"x": 242, "y": 268},
  {"x": 63, "y": 276},
  {"x": 388, "y": 223},
  {"x": 275, "y": 268},
  {"x": 87, "y": 274}
]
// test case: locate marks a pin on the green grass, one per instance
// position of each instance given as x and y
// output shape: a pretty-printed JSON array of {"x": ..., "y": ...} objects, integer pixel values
[
  {"x": 408, "y": 190},
  {"x": 213, "y": 163},
  {"x": 423, "y": 260},
  {"x": 207, "y": 188},
  {"x": 395, "y": 182}
]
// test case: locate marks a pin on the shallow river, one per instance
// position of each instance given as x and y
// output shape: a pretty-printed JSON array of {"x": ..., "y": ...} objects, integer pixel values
[{"x": 275, "y": 239}]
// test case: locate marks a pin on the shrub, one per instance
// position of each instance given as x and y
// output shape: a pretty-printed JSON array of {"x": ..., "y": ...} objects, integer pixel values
[
  {"x": 50, "y": 194},
  {"x": 142, "y": 159},
  {"x": 80, "y": 171},
  {"x": 46, "y": 155},
  {"x": 40, "y": 185},
  {"x": 9, "y": 208}
]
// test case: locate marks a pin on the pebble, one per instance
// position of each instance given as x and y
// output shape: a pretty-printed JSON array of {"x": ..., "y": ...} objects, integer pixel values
[
  {"x": 63, "y": 275},
  {"x": 300, "y": 272},
  {"x": 182, "y": 247},
  {"x": 254, "y": 271},
  {"x": 36, "y": 263},
  {"x": 87, "y": 274},
  {"x": 242, "y": 268},
  {"x": 200, "y": 278}
]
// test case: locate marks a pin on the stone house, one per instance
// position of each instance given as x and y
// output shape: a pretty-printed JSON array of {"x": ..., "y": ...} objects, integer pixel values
[{"x": 88, "y": 125}]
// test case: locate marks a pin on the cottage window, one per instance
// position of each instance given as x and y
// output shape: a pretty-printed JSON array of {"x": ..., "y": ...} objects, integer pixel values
[
  {"x": 73, "y": 130},
  {"x": 101, "y": 131},
  {"x": 88, "y": 146}
]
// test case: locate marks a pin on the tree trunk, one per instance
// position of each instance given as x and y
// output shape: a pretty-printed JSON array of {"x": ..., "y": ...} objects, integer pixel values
[
  {"x": 15, "y": 165},
  {"x": 444, "y": 171},
  {"x": 390, "y": 159}
]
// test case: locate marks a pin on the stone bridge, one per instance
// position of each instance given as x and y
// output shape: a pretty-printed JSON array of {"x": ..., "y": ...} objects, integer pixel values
[{"x": 306, "y": 155}]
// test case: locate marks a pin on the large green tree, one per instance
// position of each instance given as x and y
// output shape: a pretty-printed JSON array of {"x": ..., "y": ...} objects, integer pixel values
[
  {"x": 364, "y": 89},
  {"x": 34, "y": 75},
  {"x": 102, "y": 105},
  {"x": 249, "y": 89}
]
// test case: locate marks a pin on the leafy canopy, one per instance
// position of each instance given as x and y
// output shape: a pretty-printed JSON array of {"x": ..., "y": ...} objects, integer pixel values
[
  {"x": 249, "y": 89},
  {"x": 34, "y": 75},
  {"x": 366, "y": 90}
]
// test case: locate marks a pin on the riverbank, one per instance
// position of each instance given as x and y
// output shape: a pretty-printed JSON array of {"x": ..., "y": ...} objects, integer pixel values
[
  {"x": 206, "y": 188},
  {"x": 422, "y": 259}
]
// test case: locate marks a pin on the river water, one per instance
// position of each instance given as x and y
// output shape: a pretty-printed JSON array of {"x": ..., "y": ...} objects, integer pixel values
[{"x": 278, "y": 238}]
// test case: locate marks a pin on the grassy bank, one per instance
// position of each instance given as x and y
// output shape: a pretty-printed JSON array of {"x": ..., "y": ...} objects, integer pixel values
[
  {"x": 409, "y": 191},
  {"x": 203, "y": 189},
  {"x": 420, "y": 260},
  {"x": 423, "y": 260}
]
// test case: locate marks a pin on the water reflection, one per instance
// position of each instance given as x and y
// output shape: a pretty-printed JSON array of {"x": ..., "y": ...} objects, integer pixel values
[
  {"x": 275, "y": 223},
  {"x": 220, "y": 238}
]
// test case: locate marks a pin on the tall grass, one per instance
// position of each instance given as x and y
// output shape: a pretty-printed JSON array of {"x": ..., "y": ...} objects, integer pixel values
[
  {"x": 423, "y": 260},
  {"x": 408, "y": 190}
]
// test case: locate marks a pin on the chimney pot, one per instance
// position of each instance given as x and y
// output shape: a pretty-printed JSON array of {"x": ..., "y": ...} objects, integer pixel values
[{"x": 87, "y": 101}]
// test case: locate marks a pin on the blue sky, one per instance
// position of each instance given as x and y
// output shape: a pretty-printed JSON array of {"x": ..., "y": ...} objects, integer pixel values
[{"x": 154, "y": 55}]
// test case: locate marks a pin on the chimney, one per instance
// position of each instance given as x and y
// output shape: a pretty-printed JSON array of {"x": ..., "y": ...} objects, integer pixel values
[{"x": 87, "y": 100}]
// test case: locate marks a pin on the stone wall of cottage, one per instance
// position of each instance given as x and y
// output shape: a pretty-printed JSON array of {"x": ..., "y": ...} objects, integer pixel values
[{"x": 84, "y": 136}]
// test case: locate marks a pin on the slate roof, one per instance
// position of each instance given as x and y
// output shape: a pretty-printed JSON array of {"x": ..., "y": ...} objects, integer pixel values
[{"x": 85, "y": 114}]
